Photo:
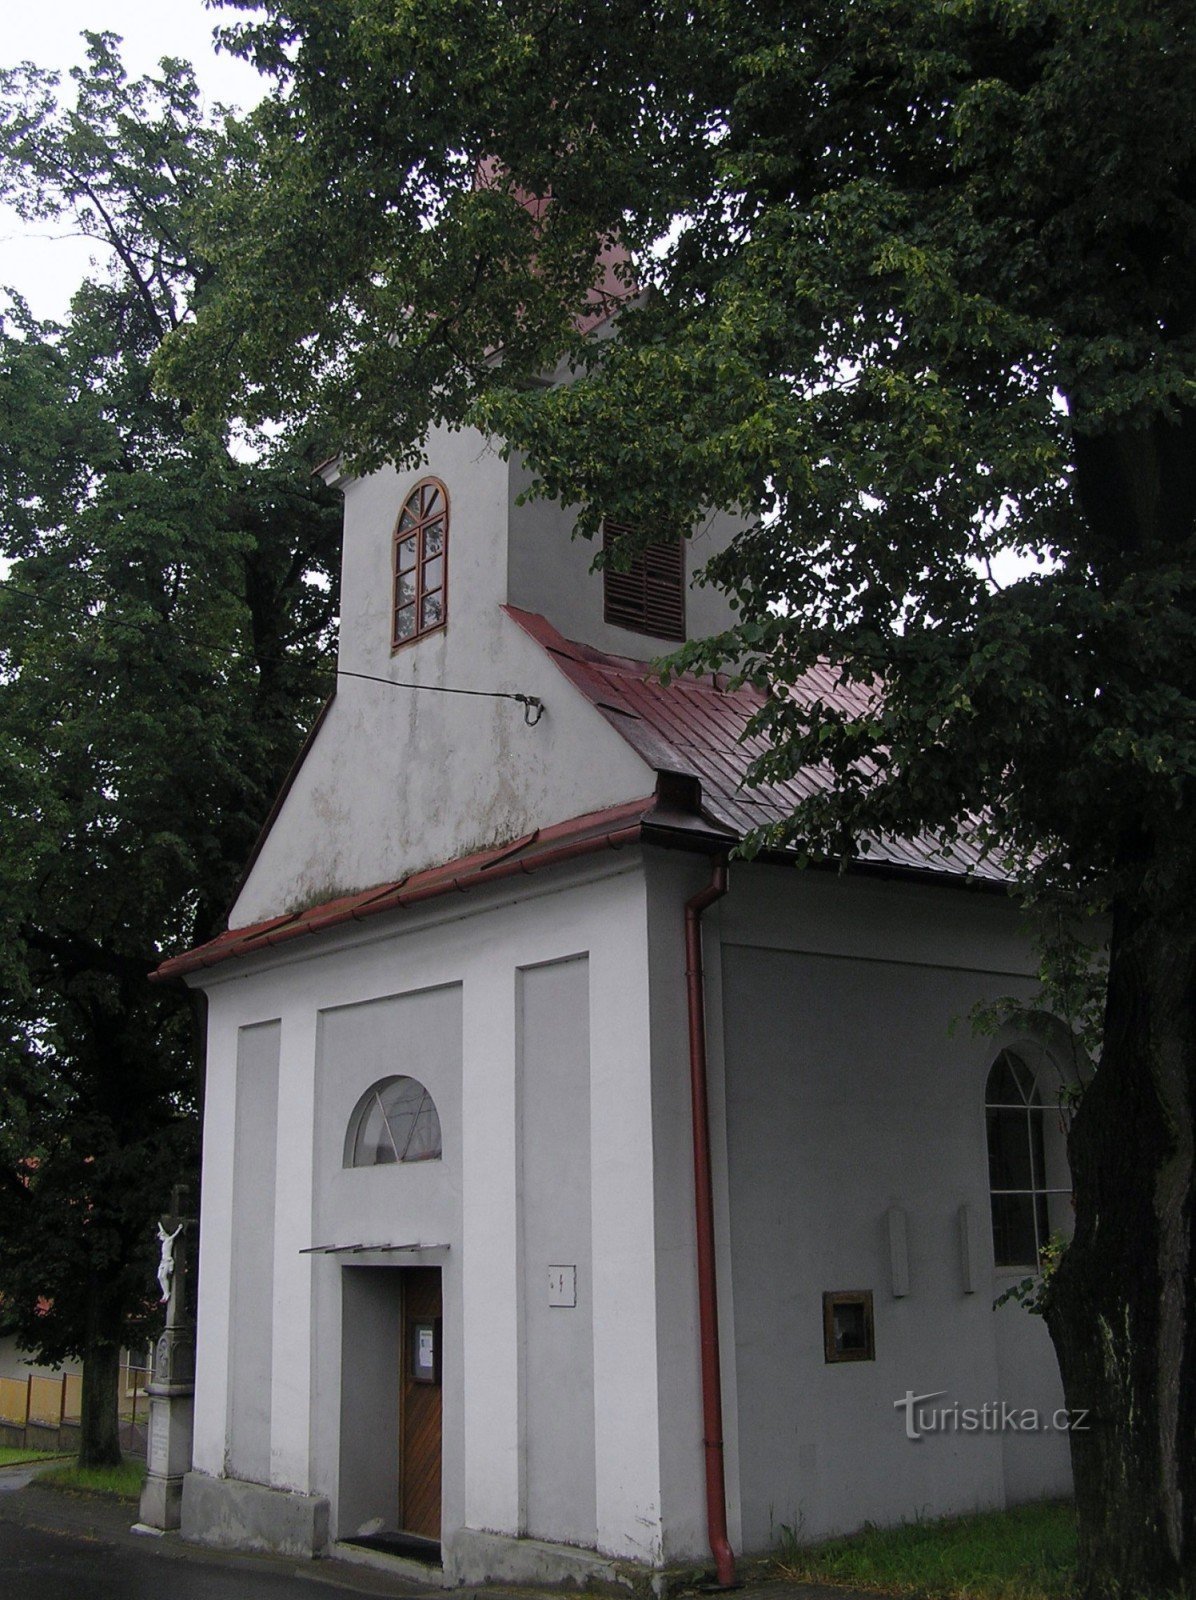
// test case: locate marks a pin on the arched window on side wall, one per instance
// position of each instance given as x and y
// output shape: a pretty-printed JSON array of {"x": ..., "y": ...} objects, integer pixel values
[
  {"x": 1027, "y": 1161},
  {"x": 395, "y": 1120}
]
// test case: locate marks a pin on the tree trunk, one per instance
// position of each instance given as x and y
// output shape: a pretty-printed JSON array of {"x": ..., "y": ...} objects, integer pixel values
[
  {"x": 99, "y": 1437},
  {"x": 1121, "y": 1308}
]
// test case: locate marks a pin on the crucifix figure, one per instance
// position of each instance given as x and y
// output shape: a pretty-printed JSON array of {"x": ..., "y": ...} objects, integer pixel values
[
  {"x": 169, "y": 1228},
  {"x": 166, "y": 1264}
]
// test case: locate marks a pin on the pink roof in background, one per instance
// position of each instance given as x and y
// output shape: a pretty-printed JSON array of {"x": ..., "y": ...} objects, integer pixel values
[
  {"x": 692, "y": 730},
  {"x": 612, "y": 287}
]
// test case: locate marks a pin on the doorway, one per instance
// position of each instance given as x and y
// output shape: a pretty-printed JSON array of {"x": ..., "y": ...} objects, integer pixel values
[
  {"x": 391, "y": 1409},
  {"x": 420, "y": 1404}
]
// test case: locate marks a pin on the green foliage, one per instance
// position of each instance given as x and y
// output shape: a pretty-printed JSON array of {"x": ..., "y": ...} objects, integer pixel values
[
  {"x": 165, "y": 614},
  {"x": 17, "y": 1455},
  {"x": 1073, "y": 970},
  {"x": 1025, "y": 1554},
  {"x": 1034, "y": 1293},
  {"x": 918, "y": 292}
]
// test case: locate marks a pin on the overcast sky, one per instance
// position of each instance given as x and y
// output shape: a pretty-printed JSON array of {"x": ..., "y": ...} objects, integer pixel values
[{"x": 43, "y": 264}]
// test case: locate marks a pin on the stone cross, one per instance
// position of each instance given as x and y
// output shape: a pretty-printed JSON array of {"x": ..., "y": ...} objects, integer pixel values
[{"x": 172, "y": 1386}]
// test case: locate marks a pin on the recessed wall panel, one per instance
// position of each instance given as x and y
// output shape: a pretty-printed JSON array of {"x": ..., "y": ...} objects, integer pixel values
[
  {"x": 251, "y": 1332},
  {"x": 558, "y": 1344}
]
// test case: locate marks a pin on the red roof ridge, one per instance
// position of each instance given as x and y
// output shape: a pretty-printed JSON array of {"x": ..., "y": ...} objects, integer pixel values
[
  {"x": 555, "y": 643},
  {"x": 692, "y": 732},
  {"x": 610, "y": 828},
  {"x": 698, "y": 727}
]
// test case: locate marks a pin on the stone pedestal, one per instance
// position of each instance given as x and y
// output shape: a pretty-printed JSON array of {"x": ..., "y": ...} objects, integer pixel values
[
  {"x": 171, "y": 1393},
  {"x": 172, "y": 1421}
]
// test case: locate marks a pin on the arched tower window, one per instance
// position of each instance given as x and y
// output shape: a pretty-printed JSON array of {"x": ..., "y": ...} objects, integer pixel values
[
  {"x": 1027, "y": 1162},
  {"x": 421, "y": 563},
  {"x": 395, "y": 1120}
]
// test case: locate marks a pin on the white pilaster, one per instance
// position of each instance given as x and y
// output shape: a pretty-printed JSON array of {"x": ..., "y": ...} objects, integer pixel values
[
  {"x": 214, "y": 1296},
  {"x": 290, "y": 1383},
  {"x": 627, "y": 1435},
  {"x": 489, "y": 1224}
]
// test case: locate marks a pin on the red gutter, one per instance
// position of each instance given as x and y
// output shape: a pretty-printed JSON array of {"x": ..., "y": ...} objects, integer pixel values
[{"x": 712, "y": 1392}]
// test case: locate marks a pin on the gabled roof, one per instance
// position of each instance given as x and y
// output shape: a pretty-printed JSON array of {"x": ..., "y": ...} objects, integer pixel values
[
  {"x": 694, "y": 727},
  {"x": 691, "y": 732}
]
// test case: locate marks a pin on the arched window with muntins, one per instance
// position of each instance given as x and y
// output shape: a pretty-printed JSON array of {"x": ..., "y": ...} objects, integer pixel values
[
  {"x": 420, "y": 563},
  {"x": 395, "y": 1120},
  {"x": 1027, "y": 1162}
]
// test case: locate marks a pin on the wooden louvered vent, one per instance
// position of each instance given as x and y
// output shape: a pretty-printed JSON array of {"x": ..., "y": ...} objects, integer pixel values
[{"x": 650, "y": 596}]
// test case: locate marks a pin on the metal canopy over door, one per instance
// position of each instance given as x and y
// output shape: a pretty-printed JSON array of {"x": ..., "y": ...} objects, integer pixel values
[{"x": 420, "y": 1404}]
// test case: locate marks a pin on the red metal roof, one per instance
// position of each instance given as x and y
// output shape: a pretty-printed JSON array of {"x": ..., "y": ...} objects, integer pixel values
[
  {"x": 696, "y": 726},
  {"x": 610, "y": 829},
  {"x": 693, "y": 728}
]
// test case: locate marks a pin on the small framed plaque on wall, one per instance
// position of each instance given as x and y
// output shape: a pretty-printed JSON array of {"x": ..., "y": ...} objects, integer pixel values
[
  {"x": 425, "y": 1351},
  {"x": 848, "y": 1333}
]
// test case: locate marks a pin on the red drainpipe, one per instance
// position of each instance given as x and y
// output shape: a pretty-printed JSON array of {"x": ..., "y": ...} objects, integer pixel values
[{"x": 712, "y": 1393}]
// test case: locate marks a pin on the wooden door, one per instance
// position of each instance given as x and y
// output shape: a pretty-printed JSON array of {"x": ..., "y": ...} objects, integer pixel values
[{"x": 420, "y": 1404}]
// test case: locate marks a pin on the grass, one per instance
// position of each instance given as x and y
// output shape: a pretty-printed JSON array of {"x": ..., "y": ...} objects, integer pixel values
[
  {"x": 120, "y": 1483},
  {"x": 18, "y": 1455},
  {"x": 1025, "y": 1554}
]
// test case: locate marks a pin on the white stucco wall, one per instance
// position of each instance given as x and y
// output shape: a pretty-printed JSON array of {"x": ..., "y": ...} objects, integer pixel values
[
  {"x": 853, "y": 1084},
  {"x": 838, "y": 1088},
  {"x": 549, "y": 572},
  {"x": 448, "y": 986},
  {"x": 399, "y": 779},
  {"x": 837, "y": 1091}
]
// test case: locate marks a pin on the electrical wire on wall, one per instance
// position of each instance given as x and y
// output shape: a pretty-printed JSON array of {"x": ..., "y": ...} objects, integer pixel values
[{"x": 533, "y": 706}]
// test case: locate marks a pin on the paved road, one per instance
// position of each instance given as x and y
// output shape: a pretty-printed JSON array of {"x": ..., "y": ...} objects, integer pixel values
[
  {"x": 59, "y": 1546},
  {"x": 36, "y": 1564}
]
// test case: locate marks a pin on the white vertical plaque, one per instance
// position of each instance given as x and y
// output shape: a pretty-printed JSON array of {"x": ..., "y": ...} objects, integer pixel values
[
  {"x": 159, "y": 1437},
  {"x": 898, "y": 1251},
  {"x": 562, "y": 1287},
  {"x": 969, "y": 1253}
]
